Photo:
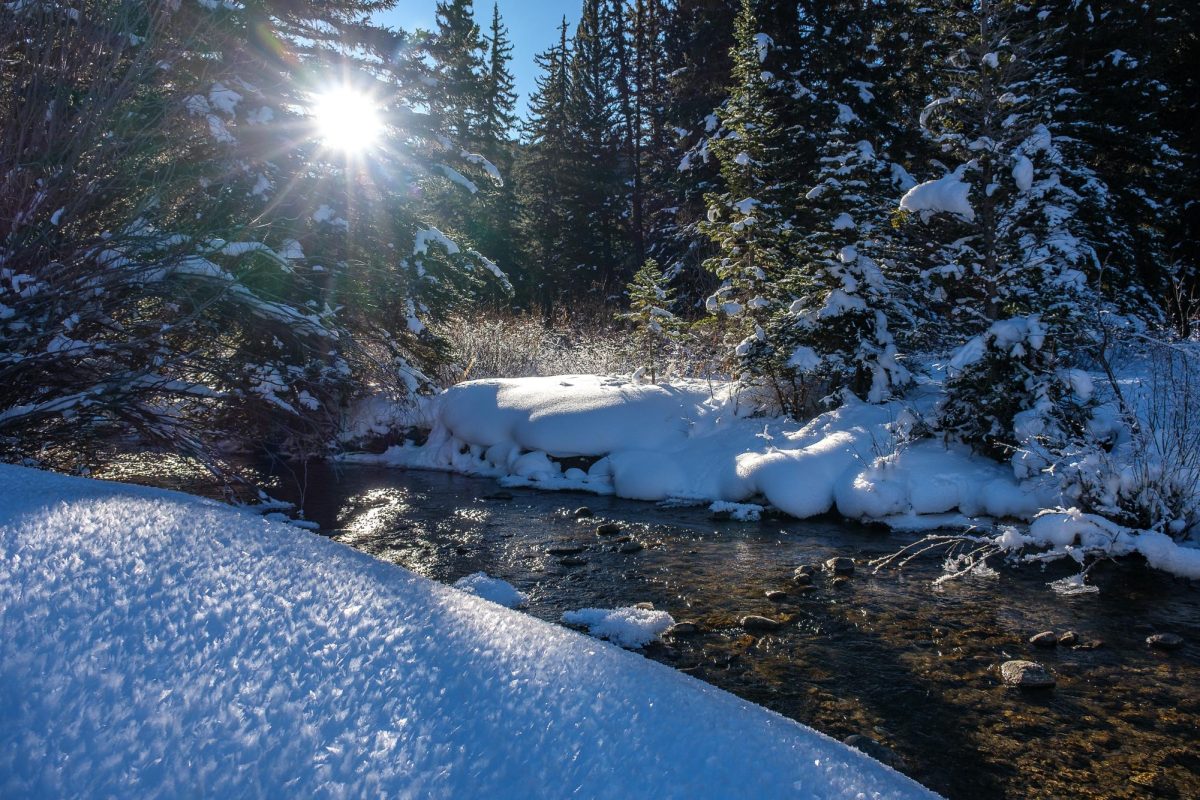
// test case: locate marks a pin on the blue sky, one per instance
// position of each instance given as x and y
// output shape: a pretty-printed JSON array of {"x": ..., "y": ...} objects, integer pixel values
[{"x": 532, "y": 26}]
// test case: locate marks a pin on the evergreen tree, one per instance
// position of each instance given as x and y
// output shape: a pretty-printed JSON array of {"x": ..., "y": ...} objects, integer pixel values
[
  {"x": 1011, "y": 252},
  {"x": 198, "y": 266},
  {"x": 747, "y": 222},
  {"x": 655, "y": 327},
  {"x": 546, "y": 159},
  {"x": 595, "y": 241},
  {"x": 458, "y": 52}
]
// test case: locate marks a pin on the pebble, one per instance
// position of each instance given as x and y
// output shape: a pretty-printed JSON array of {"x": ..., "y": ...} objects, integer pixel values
[
  {"x": 631, "y": 547},
  {"x": 802, "y": 579},
  {"x": 754, "y": 622},
  {"x": 1165, "y": 641},
  {"x": 582, "y": 512},
  {"x": 1026, "y": 674},
  {"x": 1069, "y": 639},
  {"x": 1090, "y": 644},
  {"x": 565, "y": 549},
  {"x": 644, "y": 606},
  {"x": 683, "y": 628},
  {"x": 1044, "y": 639},
  {"x": 607, "y": 529},
  {"x": 804, "y": 569},
  {"x": 841, "y": 582},
  {"x": 572, "y": 561},
  {"x": 840, "y": 565},
  {"x": 776, "y": 595}
]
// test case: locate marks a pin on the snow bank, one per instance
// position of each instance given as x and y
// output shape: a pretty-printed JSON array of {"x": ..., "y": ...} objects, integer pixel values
[
  {"x": 159, "y": 645},
  {"x": 695, "y": 441},
  {"x": 627, "y": 626},
  {"x": 494, "y": 590}
]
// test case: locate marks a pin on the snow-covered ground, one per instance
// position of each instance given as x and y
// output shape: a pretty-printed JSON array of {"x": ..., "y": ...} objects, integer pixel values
[
  {"x": 694, "y": 440},
  {"x": 154, "y": 644}
]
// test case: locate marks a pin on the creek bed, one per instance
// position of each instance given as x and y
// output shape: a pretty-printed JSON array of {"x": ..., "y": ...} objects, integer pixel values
[{"x": 888, "y": 657}]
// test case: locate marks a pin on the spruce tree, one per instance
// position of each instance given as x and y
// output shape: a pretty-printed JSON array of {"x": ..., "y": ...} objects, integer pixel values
[
  {"x": 655, "y": 327},
  {"x": 1011, "y": 260},
  {"x": 543, "y": 167},
  {"x": 747, "y": 221}
]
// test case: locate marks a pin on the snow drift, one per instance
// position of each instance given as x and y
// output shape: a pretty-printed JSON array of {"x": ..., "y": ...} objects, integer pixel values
[{"x": 158, "y": 645}]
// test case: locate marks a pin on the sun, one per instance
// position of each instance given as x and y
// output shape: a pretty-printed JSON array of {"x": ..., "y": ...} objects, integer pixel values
[{"x": 347, "y": 120}]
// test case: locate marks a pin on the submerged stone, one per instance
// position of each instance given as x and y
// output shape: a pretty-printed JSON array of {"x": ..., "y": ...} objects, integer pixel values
[
  {"x": 1044, "y": 639},
  {"x": 754, "y": 622},
  {"x": 1165, "y": 641},
  {"x": 840, "y": 565},
  {"x": 1026, "y": 674}
]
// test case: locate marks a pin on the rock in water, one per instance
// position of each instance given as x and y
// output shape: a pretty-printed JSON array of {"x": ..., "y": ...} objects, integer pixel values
[
  {"x": 754, "y": 622},
  {"x": 1026, "y": 674},
  {"x": 632, "y": 547},
  {"x": 840, "y": 565},
  {"x": 1069, "y": 639},
  {"x": 1165, "y": 641},
  {"x": 583, "y": 512},
  {"x": 683, "y": 628},
  {"x": 1044, "y": 639},
  {"x": 608, "y": 529},
  {"x": 572, "y": 561},
  {"x": 804, "y": 569},
  {"x": 565, "y": 549},
  {"x": 777, "y": 595}
]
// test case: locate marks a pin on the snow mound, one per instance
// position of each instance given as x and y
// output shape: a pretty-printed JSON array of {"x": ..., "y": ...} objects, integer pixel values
[
  {"x": 158, "y": 645},
  {"x": 627, "y": 626},
  {"x": 696, "y": 441},
  {"x": 494, "y": 590}
]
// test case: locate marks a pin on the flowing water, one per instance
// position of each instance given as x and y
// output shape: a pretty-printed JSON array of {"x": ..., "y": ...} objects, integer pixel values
[{"x": 913, "y": 668}]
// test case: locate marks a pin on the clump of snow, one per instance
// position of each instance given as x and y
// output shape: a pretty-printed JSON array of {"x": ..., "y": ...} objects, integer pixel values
[
  {"x": 492, "y": 589},
  {"x": 152, "y": 643},
  {"x": 742, "y": 512},
  {"x": 627, "y": 626},
  {"x": 1022, "y": 173},
  {"x": 948, "y": 194}
]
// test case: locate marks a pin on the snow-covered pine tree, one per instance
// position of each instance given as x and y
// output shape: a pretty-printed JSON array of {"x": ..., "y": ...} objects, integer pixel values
[
  {"x": 836, "y": 331},
  {"x": 747, "y": 222},
  {"x": 835, "y": 335},
  {"x": 655, "y": 326},
  {"x": 1006, "y": 253},
  {"x": 188, "y": 263}
]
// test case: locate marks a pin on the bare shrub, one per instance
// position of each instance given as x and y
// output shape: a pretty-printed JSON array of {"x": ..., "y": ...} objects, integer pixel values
[{"x": 505, "y": 344}]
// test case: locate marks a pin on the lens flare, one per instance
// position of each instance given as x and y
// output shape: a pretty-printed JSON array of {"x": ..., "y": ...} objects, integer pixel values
[{"x": 347, "y": 120}]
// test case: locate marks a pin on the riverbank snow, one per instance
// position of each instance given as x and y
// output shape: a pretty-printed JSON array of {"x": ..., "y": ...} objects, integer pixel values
[
  {"x": 692, "y": 441},
  {"x": 494, "y": 590},
  {"x": 627, "y": 626},
  {"x": 154, "y": 644},
  {"x": 696, "y": 441}
]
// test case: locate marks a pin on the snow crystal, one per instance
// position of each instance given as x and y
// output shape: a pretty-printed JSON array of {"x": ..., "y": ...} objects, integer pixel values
[
  {"x": 493, "y": 590},
  {"x": 627, "y": 627}
]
